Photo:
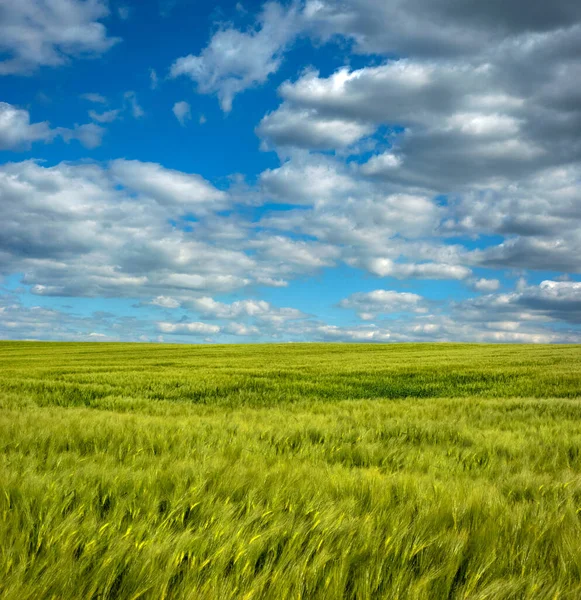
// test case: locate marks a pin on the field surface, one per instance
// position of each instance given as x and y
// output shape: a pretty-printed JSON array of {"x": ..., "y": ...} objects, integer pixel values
[{"x": 289, "y": 472}]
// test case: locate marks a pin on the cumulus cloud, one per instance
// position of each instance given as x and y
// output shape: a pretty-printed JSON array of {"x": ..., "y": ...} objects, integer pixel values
[
  {"x": 550, "y": 300},
  {"x": 307, "y": 180},
  {"x": 16, "y": 130},
  {"x": 85, "y": 230},
  {"x": 241, "y": 329},
  {"x": 381, "y": 302},
  {"x": 257, "y": 309},
  {"x": 484, "y": 285},
  {"x": 481, "y": 112},
  {"x": 235, "y": 60},
  {"x": 455, "y": 149},
  {"x": 385, "y": 267},
  {"x": 35, "y": 33},
  {"x": 195, "y": 328},
  {"x": 18, "y": 133},
  {"x": 459, "y": 124},
  {"x": 135, "y": 229},
  {"x": 444, "y": 28},
  {"x": 545, "y": 313},
  {"x": 334, "y": 333},
  {"x": 41, "y": 323},
  {"x": 304, "y": 128},
  {"x": 182, "y": 112},
  {"x": 167, "y": 186},
  {"x": 166, "y": 302}
]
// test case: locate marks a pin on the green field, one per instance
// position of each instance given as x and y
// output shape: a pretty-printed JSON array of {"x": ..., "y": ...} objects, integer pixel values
[{"x": 289, "y": 471}]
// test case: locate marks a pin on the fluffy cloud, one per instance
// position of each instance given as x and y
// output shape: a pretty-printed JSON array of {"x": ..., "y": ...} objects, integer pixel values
[
  {"x": 84, "y": 230},
  {"x": 482, "y": 114},
  {"x": 551, "y": 300},
  {"x": 443, "y": 28},
  {"x": 165, "y": 302},
  {"x": 18, "y": 133},
  {"x": 16, "y": 130},
  {"x": 257, "y": 309},
  {"x": 380, "y": 302},
  {"x": 461, "y": 154},
  {"x": 182, "y": 112},
  {"x": 484, "y": 285},
  {"x": 234, "y": 60},
  {"x": 547, "y": 313},
  {"x": 241, "y": 329},
  {"x": 89, "y": 135},
  {"x": 305, "y": 128},
  {"x": 365, "y": 224},
  {"x": 167, "y": 186},
  {"x": 333, "y": 333},
  {"x": 460, "y": 124},
  {"x": 385, "y": 267},
  {"x": 136, "y": 229},
  {"x": 36, "y": 33},
  {"x": 189, "y": 328},
  {"x": 307, "y": 180},
  {"x": 41, "y": 323}
]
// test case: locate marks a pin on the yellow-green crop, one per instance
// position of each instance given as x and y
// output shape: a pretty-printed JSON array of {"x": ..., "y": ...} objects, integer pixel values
[{"x": 289, "y": 472}]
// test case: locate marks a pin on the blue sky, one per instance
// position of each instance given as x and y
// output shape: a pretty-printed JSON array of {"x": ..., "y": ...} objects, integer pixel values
[{"x": 363, "y": 170}]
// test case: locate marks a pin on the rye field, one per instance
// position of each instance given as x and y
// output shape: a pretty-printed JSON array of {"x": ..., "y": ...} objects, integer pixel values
[{"x": 411, "y": 471}]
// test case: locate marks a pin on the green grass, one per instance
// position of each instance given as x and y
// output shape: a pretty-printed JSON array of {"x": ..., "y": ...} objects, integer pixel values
[{"x": 289, "y": 471}]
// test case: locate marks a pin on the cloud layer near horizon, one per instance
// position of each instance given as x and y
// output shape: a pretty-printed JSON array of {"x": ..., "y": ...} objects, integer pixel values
[{"x": 444, "y": 151}]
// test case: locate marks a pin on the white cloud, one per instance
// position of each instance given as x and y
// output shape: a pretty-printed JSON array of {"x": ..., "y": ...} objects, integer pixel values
[
  {"x": 385, "y": 267},
  {"x": 86, "y": 230},
  {"x": 304, "y": 128},
  {"x": 234, "y": 60},
  {"x": 95, "y": 98},
  {"x": 182, "y": 112},
  {"x": 333, "y": 333},
  {"x": 256, "y": 309},
  {"x": 17, "y": 132},
  {"x": 427, "y": 28},
  {"x": 307, "y": 181},
  {"x": 462, "y": 156},
  {"x": 107, "y": 116},
  {"x": 188, "y": 328},
  {"x": 484, "y": 285},
  {"x": 241, "y": 329},
  {"x": 168, "y": 186},
  {"x": 380, "y": 302},
  {"x": 89, "y": 134},
  {"x": 131, "y": 101},
  {"x": 137, "y": 230},
  {"x": 35, "y": 33},
  {"x": 289, "y": 256},
  {"x": 166, "y": 302},
  {"x": 549, "y": 301},
  {"x": 41, "y": 323},
  {"x": 381, "y": 164}
]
